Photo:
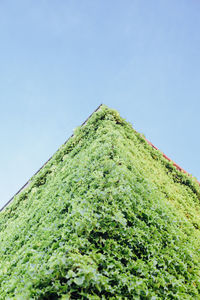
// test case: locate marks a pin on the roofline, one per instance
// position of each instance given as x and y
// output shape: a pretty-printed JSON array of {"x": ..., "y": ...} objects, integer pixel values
[
  {"x": 169, "y": 159},
  {"x": 29, "y": 181}
]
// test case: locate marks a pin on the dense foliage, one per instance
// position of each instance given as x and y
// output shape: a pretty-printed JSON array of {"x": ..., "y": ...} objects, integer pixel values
[{"x": 107, "y": 218}]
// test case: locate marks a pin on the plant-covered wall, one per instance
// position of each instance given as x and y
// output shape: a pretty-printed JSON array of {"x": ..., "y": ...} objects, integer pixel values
[{"x": 108, "y": 217}]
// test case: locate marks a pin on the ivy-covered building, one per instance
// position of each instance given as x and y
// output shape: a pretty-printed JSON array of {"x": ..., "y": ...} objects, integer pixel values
[{"x": 107, "y": 217}]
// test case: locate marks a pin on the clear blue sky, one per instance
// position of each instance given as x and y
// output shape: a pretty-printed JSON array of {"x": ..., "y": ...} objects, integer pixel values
[{"x": 60, "y": 59}]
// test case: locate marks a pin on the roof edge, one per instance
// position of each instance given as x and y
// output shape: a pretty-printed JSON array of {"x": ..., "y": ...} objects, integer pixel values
[
  {"x": 29, "y": 181},
  {"x": 98, "y": 108}
]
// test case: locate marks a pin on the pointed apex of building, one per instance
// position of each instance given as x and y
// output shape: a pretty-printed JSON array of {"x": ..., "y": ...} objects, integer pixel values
[{"x": 107, "y": 217}]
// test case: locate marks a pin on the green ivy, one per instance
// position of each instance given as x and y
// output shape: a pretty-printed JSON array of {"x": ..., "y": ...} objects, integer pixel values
[{"x": 108, "y": 217}]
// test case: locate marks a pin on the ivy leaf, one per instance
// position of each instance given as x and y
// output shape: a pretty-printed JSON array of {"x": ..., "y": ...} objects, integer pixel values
[{"x": 79, "y": 280}]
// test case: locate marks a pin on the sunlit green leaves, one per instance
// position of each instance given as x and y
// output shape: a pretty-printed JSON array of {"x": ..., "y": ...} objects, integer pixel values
[{"x": 106, "y": 218}]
